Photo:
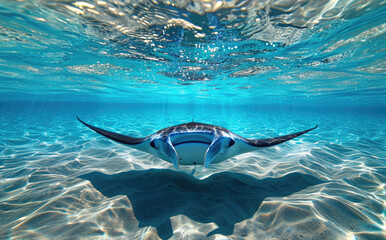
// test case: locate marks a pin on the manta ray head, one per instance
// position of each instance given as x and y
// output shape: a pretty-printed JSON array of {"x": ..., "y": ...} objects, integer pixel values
[{"x": 194, "y": 148}]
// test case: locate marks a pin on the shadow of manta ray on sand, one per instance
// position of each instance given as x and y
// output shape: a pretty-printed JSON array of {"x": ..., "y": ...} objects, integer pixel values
[{"x": 224, "y": 198}]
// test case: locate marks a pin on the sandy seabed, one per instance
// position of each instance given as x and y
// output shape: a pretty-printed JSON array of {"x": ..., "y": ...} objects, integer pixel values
[{"x": 60, "y": 180}]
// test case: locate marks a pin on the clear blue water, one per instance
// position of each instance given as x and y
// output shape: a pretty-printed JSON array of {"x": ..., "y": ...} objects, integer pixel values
[{"x": 258, "y": 68}]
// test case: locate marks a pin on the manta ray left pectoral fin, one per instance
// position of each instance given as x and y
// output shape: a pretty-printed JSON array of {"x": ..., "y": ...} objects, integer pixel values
[
  {"x": 165, "y": 146},
  {"x": 115, "y": 136},
  {"x": 214, "y": 148}
]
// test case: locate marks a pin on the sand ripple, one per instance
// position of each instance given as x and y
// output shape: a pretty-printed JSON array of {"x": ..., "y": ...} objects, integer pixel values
[{"x": 60, "y": 180}]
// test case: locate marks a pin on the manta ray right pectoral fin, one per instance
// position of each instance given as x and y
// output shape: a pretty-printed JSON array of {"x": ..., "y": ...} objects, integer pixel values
[
  {"x": 214, "y": 148},
  {"x": 165, "y": 146}
]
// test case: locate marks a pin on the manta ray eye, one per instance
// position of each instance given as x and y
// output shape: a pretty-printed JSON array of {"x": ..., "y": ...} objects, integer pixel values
[
  {"x": 152, "y": 144},
  {"x": 231, "y": 143}
]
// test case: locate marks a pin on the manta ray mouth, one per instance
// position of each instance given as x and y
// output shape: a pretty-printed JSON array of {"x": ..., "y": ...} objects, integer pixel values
[
  {"x": 192, "y": 138},
  {"x": 192, "y": 141}
]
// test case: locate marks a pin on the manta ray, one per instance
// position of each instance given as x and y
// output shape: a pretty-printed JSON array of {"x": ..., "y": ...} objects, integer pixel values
[{"x": 194, "y": 143}]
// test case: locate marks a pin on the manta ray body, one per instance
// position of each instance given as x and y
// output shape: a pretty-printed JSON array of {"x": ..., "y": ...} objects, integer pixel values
[{"x": 194, "y": 143}]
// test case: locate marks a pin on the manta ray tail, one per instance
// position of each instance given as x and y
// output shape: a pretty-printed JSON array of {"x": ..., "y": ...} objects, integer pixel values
[
  {"x": 277, "y": 140},
  {"x": 115, "y": 136}
]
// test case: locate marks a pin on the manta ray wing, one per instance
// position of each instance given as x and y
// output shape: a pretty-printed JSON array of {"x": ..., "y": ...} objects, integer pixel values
[
  {"x": 114, "y": 136},
  {"x": 274, "y": 141}
]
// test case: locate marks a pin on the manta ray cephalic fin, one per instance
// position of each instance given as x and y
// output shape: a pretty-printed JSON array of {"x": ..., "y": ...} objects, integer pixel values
[
  {"x": 214, "y": 148},
  {"x": 168, "y": 149}
]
